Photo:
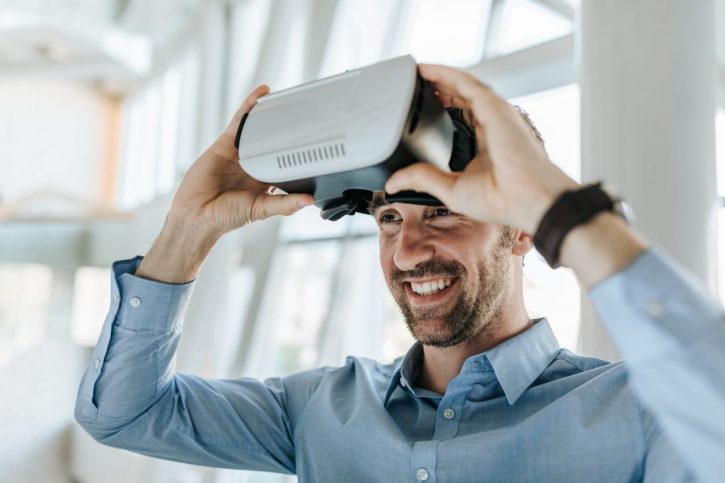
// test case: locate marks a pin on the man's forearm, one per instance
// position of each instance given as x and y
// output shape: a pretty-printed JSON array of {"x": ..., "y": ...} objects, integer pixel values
[
  {"x": 177, "y": 254},
  {"x": 603, "y": 246}
]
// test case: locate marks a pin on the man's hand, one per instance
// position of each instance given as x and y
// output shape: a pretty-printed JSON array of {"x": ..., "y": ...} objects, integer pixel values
[
  {"x": 215, "y": 197},
  {"x": 511, "y": 181}
]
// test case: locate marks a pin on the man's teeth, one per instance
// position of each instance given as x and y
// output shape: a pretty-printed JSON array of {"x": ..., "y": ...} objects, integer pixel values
[{"x": 429, "y": 288}]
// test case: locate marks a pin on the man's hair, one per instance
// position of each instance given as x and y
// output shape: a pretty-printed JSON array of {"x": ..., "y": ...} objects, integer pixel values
[{"x": 467, "y": 117}]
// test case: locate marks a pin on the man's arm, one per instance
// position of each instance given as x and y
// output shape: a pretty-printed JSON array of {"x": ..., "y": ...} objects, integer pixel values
[
  {"x": 130, "y": 395},
  {"x": 666, "y": 325}
]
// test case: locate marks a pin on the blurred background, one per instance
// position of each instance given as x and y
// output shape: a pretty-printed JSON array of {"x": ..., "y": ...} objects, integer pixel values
[{"x": 104, "y": 105}]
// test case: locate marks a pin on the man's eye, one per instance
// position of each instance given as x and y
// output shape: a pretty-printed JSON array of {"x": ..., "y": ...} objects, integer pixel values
[
  {"x": 386, "y": 218},
  {"x": 442, "y": 212}
]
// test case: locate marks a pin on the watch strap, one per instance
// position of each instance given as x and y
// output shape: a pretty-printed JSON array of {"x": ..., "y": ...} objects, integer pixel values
[{"x": 572, "y": 208}]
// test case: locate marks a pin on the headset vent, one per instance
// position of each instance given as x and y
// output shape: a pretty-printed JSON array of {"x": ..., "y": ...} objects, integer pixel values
[{"x": 312, "y": 154}]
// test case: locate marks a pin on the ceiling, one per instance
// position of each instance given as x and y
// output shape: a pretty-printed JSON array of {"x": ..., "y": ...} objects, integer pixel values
[{"x": 111, "y": 42}]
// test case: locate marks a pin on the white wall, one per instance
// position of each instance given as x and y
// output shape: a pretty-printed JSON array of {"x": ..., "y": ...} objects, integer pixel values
[{"x": 53, "y": 136}]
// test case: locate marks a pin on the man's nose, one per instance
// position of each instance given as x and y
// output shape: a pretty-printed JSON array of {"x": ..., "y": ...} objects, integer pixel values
[{"x": 413, "y": 247}]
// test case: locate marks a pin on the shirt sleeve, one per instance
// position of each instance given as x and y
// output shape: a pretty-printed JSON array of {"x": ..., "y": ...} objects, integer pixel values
[
  {"x": 130, "y": 396},
  {"x": 672, "y": 333}
]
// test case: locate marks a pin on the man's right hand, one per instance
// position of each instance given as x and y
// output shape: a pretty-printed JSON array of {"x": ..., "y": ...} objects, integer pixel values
[{"x": 215, "y": 197}]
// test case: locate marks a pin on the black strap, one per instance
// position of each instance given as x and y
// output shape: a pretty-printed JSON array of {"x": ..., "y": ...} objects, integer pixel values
[{"x": 572, "y": 208}]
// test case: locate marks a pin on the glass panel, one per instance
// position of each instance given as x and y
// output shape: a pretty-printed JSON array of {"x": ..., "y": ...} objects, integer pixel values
[
  {"x": 396, "y": 337},
  {"x": 554, "y": 294},
  {"x": 721, "y": 254},
  {"x": 188, "y": 111},
  {"x": 25, "y": 291},
  {"x": 91, "y": 299},
  {"x": 360, "y": 35},
  {"x": 556, "y": 115},
  {"x": 250, "y": 20},
  {"x": 363, "y": 224},
  {"x": 525, "y": 23},
  {"x": 169, "y": 129},
  {"x": 306, "y": 224},
  {"x": 305, "y": 284},
  {"x": 451, "y": 32},
  {"x": 720, "y": 150}
]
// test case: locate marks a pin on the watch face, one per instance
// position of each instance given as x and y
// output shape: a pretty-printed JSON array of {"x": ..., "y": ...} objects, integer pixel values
[
  {"x": 623, "y": 209},
  {"x": 619, "y": 206}
]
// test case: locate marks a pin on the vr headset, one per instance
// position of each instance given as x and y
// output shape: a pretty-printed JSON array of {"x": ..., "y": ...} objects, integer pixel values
[{"x": 340, "y": 138}]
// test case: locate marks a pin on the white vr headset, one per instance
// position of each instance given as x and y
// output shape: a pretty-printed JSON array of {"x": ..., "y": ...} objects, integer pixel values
[{"x": 340, "y": 138}]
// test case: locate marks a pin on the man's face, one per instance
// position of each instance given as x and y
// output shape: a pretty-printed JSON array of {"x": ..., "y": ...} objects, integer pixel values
[{"x": 448, "y": 273}]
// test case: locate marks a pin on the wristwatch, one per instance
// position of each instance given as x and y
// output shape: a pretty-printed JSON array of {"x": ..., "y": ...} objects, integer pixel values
[{"x": 572, "y": 208}]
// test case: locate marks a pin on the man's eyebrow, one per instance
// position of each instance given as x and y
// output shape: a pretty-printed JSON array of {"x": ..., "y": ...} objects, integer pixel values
[{"x": 376, "y": 203}]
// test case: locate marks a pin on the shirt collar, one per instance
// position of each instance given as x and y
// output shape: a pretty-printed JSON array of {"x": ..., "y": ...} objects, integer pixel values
[
  {"x": 517, "y": 362},
  {"x": 406, "y": 370},
  {"x": 520, "y": 360}
]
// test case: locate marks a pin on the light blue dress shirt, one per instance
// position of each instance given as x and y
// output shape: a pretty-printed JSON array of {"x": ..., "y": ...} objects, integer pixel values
[{"x": 526, "y": 410}]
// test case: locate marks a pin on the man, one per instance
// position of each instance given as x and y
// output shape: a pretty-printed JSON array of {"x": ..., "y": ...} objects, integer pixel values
[{"x": 485, "y": 394}]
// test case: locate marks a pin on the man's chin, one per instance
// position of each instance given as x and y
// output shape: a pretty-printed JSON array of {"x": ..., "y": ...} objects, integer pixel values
[{"x": 435, "y": 332}]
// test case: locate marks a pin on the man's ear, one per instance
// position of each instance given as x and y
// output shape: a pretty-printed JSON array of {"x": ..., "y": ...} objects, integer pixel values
[{"x": 522, "y": 243}]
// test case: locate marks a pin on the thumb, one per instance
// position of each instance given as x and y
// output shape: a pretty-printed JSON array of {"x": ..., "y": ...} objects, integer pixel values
[
  {"x": 267, "y": 205},
  {"x": 423, "y": 177}
]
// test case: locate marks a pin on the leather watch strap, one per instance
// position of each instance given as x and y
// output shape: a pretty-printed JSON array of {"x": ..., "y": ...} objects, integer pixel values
[{"x": 572, "y": 208}]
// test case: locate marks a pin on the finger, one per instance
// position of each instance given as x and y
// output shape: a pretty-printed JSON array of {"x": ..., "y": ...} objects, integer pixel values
[
  {"x": 270, "y": 205},
  {"x": 423, "y": 177},
  {"x": 454, "y": 83},
  {"x": 247, "y": 105}
]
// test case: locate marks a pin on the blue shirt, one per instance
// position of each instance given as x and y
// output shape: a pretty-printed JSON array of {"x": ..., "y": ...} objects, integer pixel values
[{"x": 525, "y": 410}]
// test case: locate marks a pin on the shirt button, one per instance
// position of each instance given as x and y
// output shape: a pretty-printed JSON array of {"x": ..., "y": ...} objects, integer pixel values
[
  {"x": 135, "y": 302},
  {"x": 655, "y": 309},
  {"x": 97, "y": 363},
  {"x": 421, "y": 474},
  {"x": 449, "y": 413}
]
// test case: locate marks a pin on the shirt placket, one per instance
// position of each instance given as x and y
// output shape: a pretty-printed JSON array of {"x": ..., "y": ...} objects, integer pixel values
[{"x": 423, "y": 461}]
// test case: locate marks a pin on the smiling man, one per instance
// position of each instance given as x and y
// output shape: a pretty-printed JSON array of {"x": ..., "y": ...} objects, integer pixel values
[
  {"x": 485, "y": 394},
  {"x": 458, "y": 282}
]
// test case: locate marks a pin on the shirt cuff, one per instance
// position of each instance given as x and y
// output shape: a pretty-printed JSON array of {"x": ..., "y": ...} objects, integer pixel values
[{"x": 147, "y": 305}]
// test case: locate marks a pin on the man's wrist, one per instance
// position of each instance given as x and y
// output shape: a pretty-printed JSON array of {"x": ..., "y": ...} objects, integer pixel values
[
  {"x": 178, "y": 252},
  {"x": 601, "y": 247},
  {"x": 544, "y": 200}
]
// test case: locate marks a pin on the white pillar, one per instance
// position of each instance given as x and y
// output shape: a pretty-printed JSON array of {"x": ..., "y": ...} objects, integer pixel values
[{"x": 648, "y": 86}]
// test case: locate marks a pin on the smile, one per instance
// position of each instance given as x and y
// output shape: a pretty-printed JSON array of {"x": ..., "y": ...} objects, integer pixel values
[{"x": 430, "y": 287}]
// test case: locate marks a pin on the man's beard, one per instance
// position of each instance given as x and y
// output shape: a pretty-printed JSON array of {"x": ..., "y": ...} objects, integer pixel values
[{"x": 470, "y": 314}]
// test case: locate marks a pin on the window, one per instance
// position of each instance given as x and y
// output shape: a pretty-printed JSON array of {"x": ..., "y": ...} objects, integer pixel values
[
  {"x": 336, "y": 301},
  {"x": 720, "y": 156},
  {"x": 25, "y": 291},
  {"x": 361, "y": 34},
  {"x": 451, "y": 32},
  {"x": 91, "y": 299},
  {"x": 524, "y": 23},
  {"x": 159, "y": 133},
  {"x": 555, "y": 294}
]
